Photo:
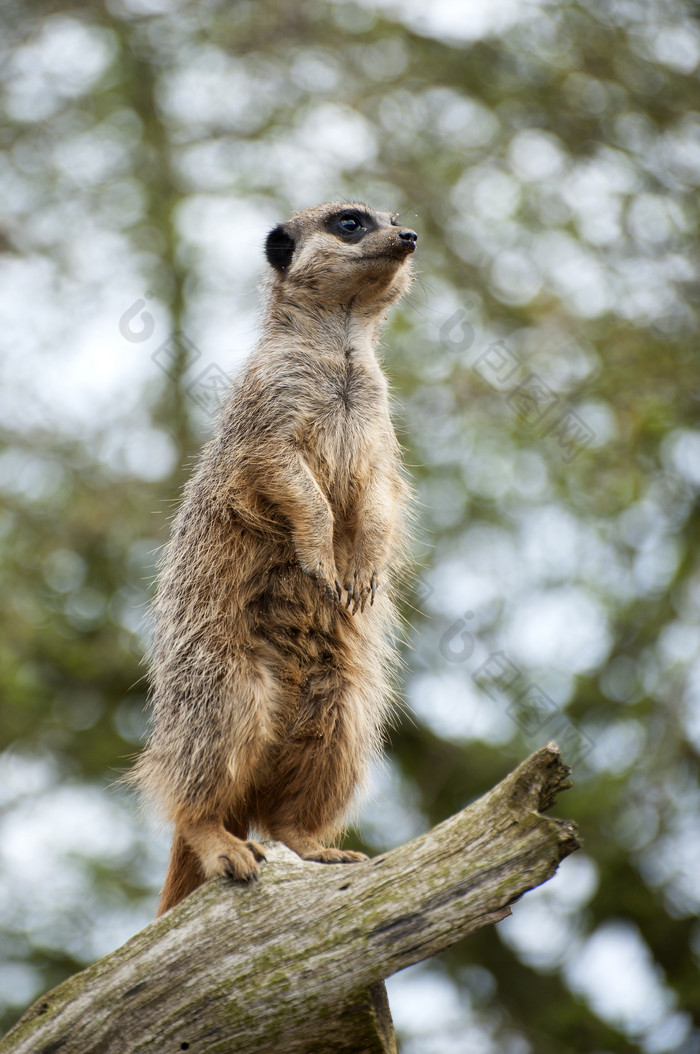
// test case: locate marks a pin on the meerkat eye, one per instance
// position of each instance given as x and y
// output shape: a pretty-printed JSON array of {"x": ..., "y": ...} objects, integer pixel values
[
  {"x": 351, "y": 227},
  {"x": 349, "y": 223}
]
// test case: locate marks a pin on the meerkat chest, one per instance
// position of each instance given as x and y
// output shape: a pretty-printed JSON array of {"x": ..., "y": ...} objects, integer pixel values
[
  {"x": 356, "y": 390},
  {"x": 350, "y": 405},
  {"x": 345, "y": 420}
]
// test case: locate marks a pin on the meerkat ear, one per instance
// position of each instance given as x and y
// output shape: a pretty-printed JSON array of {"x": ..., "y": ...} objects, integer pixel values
[{"x": 279, "y": 248}]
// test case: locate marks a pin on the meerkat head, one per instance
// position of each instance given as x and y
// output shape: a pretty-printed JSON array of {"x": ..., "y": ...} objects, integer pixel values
[{"x": 338, "y": 254}]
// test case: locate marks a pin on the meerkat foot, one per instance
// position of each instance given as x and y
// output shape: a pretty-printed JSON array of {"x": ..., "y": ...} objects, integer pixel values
[
  {"x": 239, "y": 861},
  {"x": 310, "y": 849},
  {"x": 336, "y": 856},
  {"x": 221, "y": 853}
]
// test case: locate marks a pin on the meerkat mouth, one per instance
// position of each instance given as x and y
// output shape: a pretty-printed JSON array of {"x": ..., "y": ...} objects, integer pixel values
[{"x": 398, "y": 253}]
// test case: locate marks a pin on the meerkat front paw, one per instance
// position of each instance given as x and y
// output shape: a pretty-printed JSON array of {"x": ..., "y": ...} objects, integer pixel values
[
  {"x": 325, "y": 575},
  {"x": 360, "y": 587},
  {"x": 334, "y": 592}
]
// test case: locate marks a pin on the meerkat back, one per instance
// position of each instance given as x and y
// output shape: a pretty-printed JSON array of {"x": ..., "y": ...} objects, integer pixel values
[{"x": 272, "y": 669}]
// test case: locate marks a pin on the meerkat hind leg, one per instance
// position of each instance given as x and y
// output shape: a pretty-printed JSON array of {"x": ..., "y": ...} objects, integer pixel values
[{"x": 222, "y": 853}]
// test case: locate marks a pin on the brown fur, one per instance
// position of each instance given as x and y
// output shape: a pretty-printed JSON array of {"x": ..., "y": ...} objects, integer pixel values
[{"x": 273, "y": 659}]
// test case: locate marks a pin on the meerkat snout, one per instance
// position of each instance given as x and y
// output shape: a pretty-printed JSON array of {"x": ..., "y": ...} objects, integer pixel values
[{"x": 408, "y": 240}]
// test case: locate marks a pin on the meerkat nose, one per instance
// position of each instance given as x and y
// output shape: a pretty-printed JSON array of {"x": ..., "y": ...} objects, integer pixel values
[{"x": 409, "y": 239}]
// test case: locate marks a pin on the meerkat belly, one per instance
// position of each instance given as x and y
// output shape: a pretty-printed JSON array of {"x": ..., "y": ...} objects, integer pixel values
[{"x": 304, "y": 644}]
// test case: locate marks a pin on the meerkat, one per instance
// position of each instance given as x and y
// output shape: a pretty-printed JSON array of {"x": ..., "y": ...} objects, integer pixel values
[{"x": 272, "y": 667}]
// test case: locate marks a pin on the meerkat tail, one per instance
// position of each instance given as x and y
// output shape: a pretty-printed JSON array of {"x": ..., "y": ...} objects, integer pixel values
[{"x": 184, "y": 875}]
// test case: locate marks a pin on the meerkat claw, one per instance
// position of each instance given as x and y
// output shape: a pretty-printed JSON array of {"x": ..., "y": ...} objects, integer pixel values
[{"x": 257, "y": 851}]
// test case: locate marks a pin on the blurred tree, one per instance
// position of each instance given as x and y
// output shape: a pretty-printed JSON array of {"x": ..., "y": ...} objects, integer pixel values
[{"x": 548, "y": 383}]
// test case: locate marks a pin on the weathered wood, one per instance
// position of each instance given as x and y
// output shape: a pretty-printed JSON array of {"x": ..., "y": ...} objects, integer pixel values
[{"x": 286, "y": 964}]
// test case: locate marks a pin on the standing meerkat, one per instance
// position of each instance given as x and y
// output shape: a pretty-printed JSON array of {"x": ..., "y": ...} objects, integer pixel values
[{"x": 272, "y": 663}]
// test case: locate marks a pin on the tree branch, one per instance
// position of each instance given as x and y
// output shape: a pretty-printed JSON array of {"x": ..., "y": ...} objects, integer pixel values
[{"x": 295, "y": 962}]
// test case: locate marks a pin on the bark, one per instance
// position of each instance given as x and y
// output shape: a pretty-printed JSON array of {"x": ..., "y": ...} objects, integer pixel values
[{"x": 296, "y": 962}]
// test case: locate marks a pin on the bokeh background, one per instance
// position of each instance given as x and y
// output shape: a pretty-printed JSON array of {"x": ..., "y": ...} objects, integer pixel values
[{"x": 547, "y": 378}]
